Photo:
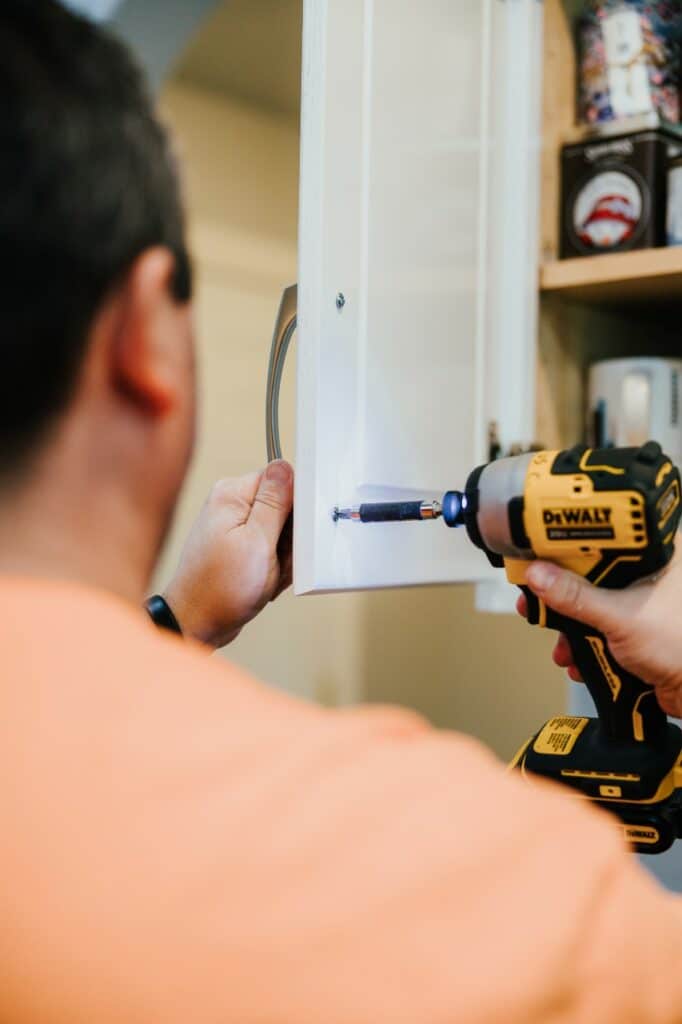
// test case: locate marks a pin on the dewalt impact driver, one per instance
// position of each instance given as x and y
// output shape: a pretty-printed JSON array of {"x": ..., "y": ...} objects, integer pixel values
[{"x": 611, "y": 516}]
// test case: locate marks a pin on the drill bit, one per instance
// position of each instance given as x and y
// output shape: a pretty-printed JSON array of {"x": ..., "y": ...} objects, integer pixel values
[
  {"x": 452, "y": 509},
  {"x": 389, "y": 512}
]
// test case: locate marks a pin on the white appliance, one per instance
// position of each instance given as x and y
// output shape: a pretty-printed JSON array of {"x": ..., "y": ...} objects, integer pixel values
[{"x": 636, "y": 400}]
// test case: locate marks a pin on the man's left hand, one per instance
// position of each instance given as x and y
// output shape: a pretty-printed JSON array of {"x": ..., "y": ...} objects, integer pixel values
[{"x": 238, "y": 556}]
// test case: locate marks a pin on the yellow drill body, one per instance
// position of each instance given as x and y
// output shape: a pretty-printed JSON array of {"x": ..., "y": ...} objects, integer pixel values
[{"x": 611, "y": 516}]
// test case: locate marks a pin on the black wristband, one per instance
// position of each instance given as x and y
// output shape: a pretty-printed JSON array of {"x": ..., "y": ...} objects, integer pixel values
[{"x": 161, "y": 614}]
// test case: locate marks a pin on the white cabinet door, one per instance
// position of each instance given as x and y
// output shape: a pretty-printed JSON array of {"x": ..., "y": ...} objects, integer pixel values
[{"x": 417, "y": 272}]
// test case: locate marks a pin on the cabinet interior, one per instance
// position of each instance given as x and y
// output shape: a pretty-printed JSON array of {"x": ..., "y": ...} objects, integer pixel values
[{"x": 596, "y": 320}]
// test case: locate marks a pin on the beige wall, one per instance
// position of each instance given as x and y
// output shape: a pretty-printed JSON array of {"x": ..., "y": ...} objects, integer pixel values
[{"x": 427, "y": 648}]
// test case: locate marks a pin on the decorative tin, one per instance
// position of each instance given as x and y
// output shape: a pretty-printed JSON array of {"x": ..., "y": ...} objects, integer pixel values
[
  {"x": 629, "y": 60},
  {"x": 614, "y": 193}
]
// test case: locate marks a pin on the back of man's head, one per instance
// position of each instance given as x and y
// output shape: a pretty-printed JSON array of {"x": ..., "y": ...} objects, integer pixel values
[{"x": 87, "y": 184}]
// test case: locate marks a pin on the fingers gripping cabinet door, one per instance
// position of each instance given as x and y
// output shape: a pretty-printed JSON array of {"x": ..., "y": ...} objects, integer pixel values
[{"x": 408, "y": 317}]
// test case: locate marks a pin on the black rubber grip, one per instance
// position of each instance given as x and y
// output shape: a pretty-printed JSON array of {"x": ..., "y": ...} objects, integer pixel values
[
  {"x": 390, "y": 511},
  {"x": 627, "y": 707}
]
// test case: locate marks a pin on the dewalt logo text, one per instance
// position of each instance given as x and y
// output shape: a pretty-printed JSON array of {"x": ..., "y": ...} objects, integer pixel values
[
  {"x": 577, "y": 516},
  {"x": 642, "y": 834}
]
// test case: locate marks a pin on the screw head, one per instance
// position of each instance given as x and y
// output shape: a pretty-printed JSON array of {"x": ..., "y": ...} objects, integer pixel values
[{"x": 340, "y": 300}]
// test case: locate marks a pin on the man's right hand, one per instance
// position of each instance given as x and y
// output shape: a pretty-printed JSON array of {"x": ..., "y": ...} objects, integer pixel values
[{"x": 642, "y": 625}]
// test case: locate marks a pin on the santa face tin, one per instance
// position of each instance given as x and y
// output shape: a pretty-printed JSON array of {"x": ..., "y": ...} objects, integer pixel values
[{"x": 614, "y": 194}]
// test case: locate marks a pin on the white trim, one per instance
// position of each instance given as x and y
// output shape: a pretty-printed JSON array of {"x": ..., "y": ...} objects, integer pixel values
[
  {"x": 513, "y": 195},
  {"x": 483, "y": 229}
]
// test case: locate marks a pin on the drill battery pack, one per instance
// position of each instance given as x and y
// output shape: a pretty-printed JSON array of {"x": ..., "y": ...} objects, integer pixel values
[{"x": 640, "y": 783}]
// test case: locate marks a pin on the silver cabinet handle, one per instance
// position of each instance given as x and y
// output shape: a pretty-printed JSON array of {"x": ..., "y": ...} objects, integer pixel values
[{"x": 284, "y": 330}]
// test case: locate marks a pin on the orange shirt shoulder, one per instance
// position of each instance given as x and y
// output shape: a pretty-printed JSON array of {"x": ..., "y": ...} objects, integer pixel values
[{"x": 180, "y": 844}]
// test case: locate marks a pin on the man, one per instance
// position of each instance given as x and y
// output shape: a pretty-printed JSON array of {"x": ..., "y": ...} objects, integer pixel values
[{"x": 178, "y": 843}]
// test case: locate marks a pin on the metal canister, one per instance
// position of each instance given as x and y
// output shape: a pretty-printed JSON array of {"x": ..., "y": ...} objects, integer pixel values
[{"x": 633, "y": 400}]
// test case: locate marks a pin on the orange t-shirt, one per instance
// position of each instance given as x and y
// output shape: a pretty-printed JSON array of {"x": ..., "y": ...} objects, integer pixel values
[{"x": 181, "y": 845}]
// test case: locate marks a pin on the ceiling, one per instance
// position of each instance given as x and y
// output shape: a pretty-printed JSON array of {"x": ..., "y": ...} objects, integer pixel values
[{"x": 250, "y": 50}]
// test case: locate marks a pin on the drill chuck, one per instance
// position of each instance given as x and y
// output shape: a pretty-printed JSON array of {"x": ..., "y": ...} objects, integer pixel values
[{"x": 454, "y": 508}]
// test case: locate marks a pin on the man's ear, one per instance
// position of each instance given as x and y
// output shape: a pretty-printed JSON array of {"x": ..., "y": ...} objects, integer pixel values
[{"x": 145, "y": 356}]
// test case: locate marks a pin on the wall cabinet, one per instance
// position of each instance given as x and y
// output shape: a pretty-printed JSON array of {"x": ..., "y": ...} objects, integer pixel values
[{"x": 431, "y": 301}]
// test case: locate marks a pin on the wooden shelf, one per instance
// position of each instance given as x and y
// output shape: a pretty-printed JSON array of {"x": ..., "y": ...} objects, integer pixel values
[{"x": 626, "y": 278}]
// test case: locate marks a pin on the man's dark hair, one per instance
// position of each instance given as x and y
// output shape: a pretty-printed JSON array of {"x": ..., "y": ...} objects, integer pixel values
[{"x": 87, "y": 183}]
